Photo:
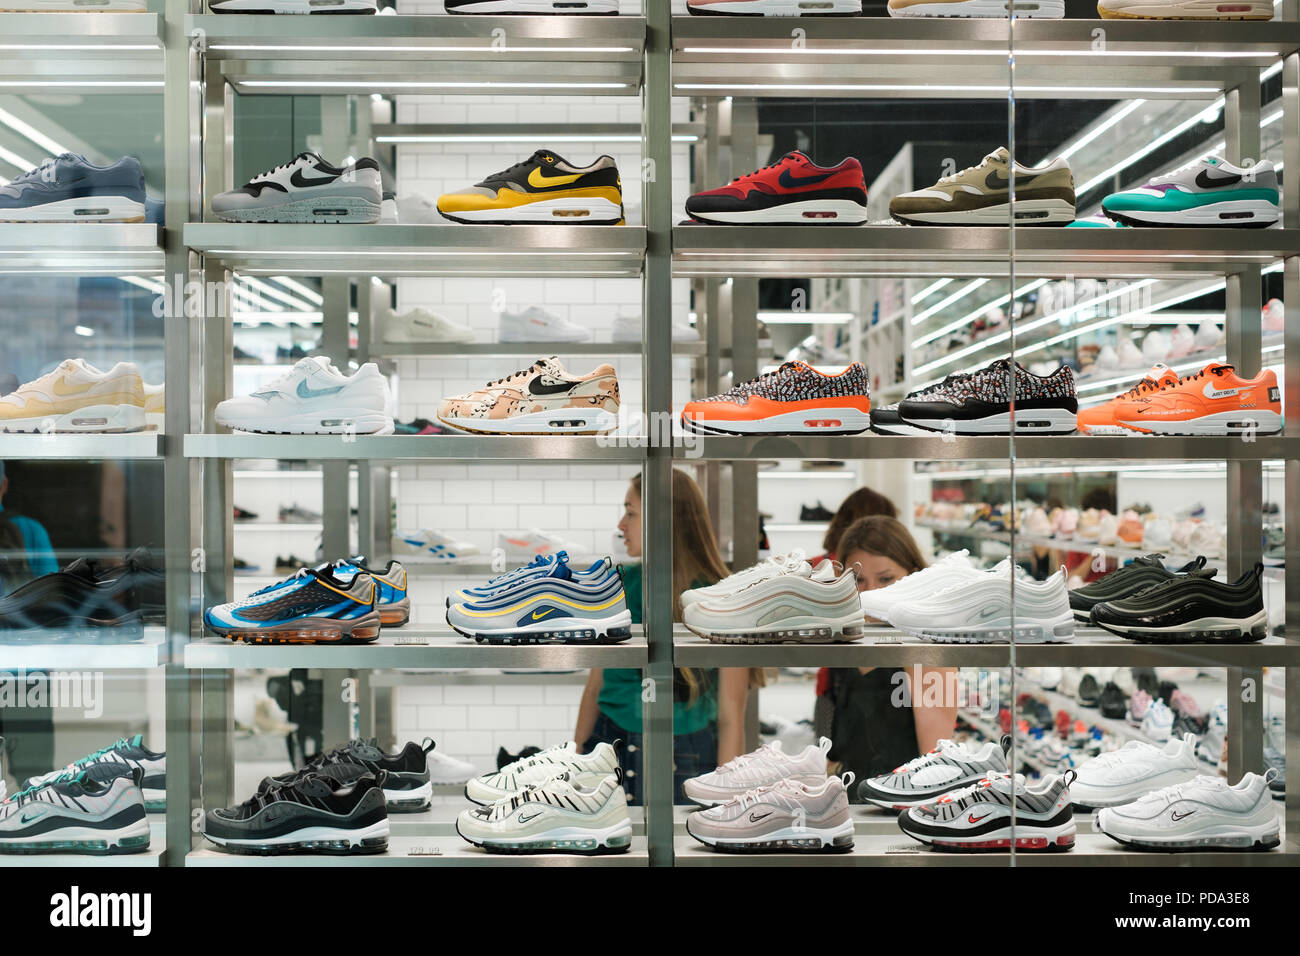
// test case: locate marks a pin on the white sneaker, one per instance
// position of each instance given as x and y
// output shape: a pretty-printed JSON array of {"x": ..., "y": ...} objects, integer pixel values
[
  {"x": 444, "y": 769},
  {"x": 774, "y": 566},
  {"x": 1204, "y": 813},
  {"x": 526, "y": 545},
  {"x": 419, "y": 325},
  {"x": 1273, "y": 317},
  {"x": 415, "y": 209},
  {"x": 586, "y": 769},
  {"x": 433, "y": 544},
  {"x": 947, "y": 571},
  {"x": 1210, "y": 749},
  {"x": 762, "y": 768},
  {"x": 1135, "y": 770},
  {"x": 1207, "y": 335},
  {"x": 314, "y": 398},
  {"x": 1107, "y": 359},
  {"x": 1158, "y": 535},
  {"x": 535, "y": 324},
  {"x": 979, "y": 611},
  {"x": 1108, "y": 530},
  {"x": 1158, "y": 721},
  {"x": 77, "y": 397},
  {"x": 628, "y": 328},
  {"x": 1207, "y": 539},
  {"x": 559, "y": 814},
  {"x": 1155, "y": 347},
  {"x": 1130, "y": 356},
  {"x": 1068, "y": 685},
  {"x": 1183, "y": 341},
  {"x": 822, "y": 608},
  {"x": 388, "y": 211}
]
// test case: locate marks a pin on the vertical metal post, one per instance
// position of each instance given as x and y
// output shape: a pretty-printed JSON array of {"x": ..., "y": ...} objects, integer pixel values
[
  {"x": 656, "y": 480},
  {"x": 744, "y": 344},
  {"x": 1291, "y": 129},
  {"x": 1291, "y": 494}
]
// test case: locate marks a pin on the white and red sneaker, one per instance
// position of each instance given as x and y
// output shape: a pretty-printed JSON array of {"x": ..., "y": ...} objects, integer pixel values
[{"x": 979, "y": 817}]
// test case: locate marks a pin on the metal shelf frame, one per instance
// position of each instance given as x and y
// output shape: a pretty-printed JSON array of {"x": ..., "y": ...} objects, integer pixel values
[
  {"x": 559, "y": 448},
  {"x": 83, "y": 248},
  {"x": 106, "y": 53}
]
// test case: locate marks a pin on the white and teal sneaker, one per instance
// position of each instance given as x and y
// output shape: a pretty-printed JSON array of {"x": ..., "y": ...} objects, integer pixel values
[
  {"x": 1098, "y": 220},
  {"x": 1208, "y": 192},
  {"x": 88, "y": 811},
  {"x": 557, "y": 815}
]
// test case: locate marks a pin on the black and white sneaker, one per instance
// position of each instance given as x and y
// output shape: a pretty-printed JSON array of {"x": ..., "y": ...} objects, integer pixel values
[
  {"x": 361, "y": 7},
  {"x": 980, "y": 403},
  {"x": 407, "y": 788},
  {"x": 1138, "y": 575},
  {"x": 979, "y": 817},
  {"x": 1191, "y": 608},
  {"x": 887, "y": 421},
  {"x": 534, "y": 7},
  {"x": 125, "y": 755},
  {"x": 307, "y": 189},
  {"x": 313, "y": 813}
]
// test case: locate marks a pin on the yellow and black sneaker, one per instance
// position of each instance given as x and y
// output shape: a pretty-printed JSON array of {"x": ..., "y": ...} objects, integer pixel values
[{"x": 543, "y": 188}]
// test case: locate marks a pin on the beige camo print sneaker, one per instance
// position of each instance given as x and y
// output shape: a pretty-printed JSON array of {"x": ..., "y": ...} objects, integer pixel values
[
  {"x": 980, "y": 196},
  {"x": 543, "y": 399},
  {"x": 77, "y": 397}
]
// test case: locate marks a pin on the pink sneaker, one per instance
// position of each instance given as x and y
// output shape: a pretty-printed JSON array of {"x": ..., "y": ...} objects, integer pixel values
[
  {"x": 1183, "y": 703},
  {"x": 1137, "y": 707}
]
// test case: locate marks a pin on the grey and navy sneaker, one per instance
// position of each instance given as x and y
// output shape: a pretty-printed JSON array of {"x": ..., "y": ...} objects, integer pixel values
[
  {"x": 978, "y": 818},
  {"x": 1137, "y": 575},
  {"x": 72, "y": 189},
  {"x": 790, "y": 816},
  {"x": 407, "y": 788},
  {"x": 82, "y": 812},
  {"x": 558, "y": 814},
  {"x": 129, "y": 754},
  {"x": 312, "y": 813},
  {"x": 306, "y": 189}
]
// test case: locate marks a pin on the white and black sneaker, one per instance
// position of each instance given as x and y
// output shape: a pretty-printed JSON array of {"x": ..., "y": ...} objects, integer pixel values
[
  {"x": 361, "y": 7},
  {"x": 127, "y": 754},
  {"x": 97, "y": 810},
  {"x": 979, "y": 817},
  {"x": 307, "y": 189},
  {"x": 980, "y": 403},
  {"x": 949, "y": 766},
  {"x": 313, "y": 813},
  {"x": 407, "y": 788}
]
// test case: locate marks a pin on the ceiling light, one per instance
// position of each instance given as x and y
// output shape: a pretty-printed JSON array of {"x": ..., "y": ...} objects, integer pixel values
[
  {"x": 961, "y": 293},
  {"x": 805, "y": 318},
  {"x": 932, "y": 287},
  {"x": 966, "y": 319}
]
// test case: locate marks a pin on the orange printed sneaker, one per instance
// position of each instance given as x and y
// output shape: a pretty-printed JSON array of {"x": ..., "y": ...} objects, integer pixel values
[
  {"x": 1100, "y": 419},
  {"x": 1214, "y": 401},
  {"x": 796, "y": 399}
]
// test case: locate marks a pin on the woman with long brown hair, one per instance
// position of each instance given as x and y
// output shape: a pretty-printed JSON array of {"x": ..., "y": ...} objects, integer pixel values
[{"x": 708, "y": 705}]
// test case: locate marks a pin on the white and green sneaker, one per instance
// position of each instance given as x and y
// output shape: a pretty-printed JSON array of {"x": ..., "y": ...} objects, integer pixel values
[
  {"x": 1208, "y": 192},
  {"x": 557, "y": 815}
]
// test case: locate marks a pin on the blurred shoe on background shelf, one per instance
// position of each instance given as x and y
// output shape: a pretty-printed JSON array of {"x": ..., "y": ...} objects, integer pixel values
[
  {"x": 420, "y": 325},
  {"x": 75, "y": 397},
  {"x": 434, "y": 545},
  {"x": 535, "y": 324}
]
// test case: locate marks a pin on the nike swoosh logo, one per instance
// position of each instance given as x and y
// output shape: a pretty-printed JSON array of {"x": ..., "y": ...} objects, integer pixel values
[
  {"x": 1175, "y": 815},
  {"x": 63, "y": 390},
  {"x": 524, "y": 819},
  {"x": 538, "y": 387},
  {"x": 30, "y": 816},
  {"x": 974, "y": 819},
  {"x": 994, "y": 181},
  {"x": 755, "y": 819},
  {"x": 988, "y": 612},
  {"x": 794, "y": 182},
  {"x": 1209, "y": 391},
  {"x": 305, "y": 392},
  {"x": 538, "y": 617},
  {"x": 302, "y": 182},
  {"x": 1206, "y": 181},
  {"x": 538, "y": 181}
]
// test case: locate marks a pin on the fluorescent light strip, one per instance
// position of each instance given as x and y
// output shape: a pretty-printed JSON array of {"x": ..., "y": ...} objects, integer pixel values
[
  {"x": 1146, "y": 150},
  {"x": 1187, "y": 92},
  {"x": 157, "y": 288},
  {"x": 932, "y": 287},
  {"x": 61, "y": 84},
  {"x": 998, "y": 54},
  {"x": 1116, "y": 117},
  {"x": 942, "y": 304},
  {"x": 13, "y": 159},
  {"x": 393, "y": 253},
  {"x": 267, "y": 289},
  {"x": 527, "y": 138},
  {"x": 966, "y": 319},
  {"x": 254, "y": 299},
  {"x": 416, "y": 85},
  {"x": 53, "y": 147},
  {"x": 805, "y": 318},
  {"x": 261, "y": 48},
  {"x": 102, "y": 48},
  {"x": 311, "y": 295}
]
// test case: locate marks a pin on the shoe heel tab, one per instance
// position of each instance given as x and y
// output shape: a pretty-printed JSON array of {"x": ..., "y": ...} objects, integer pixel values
[{"x": 427, "y": 745}]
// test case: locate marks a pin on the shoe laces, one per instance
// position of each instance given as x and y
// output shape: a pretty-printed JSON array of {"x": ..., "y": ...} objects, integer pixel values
[
  {"x": 925, "y": 758},
  {"x": 537, "y": 366},
  {"x": 740, "y": 761},
  {"x": 763, "y": 169},
  {"x": 1216, "y": 370},
  {"x": 1148, "y": 384},
  {"x": 289, "y": 165},
  {"x": 39, "y": 172}
]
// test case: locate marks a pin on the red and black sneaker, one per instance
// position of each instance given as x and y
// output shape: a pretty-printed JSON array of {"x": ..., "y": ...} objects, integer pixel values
[{"x": 793, "y": 189}]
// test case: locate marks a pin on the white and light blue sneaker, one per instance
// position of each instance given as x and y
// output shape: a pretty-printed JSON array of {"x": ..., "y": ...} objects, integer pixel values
[
  {"x": 435, "y": 546},
  {"x": 72, "y": 189}
]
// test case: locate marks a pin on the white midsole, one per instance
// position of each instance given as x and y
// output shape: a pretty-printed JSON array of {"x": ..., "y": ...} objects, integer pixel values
[
  {"x": 1260, "y": 210},
  {"x": 82, "y": 209},
  {"x": 586, "y": 419},
  {"x": 91, "y": 419},
  {"x": 1034, "y": 421},
  {"x": 602, "y": 835},
  {"x": 1020, "y": 832},
  {"x": 1029, "y": 630},
  {"x": 1243, "y": 422},
  {"x": 77, "y": 6},
  {"x": 1104, "y": 796},
  {"x": 800, "y": 622},
  {"x": 577, "y": 209},
  {"x": 827, "y": 835},
  {"x": 541, "y": 6},
  {"x": 1261, "y": 831},
  {"x": 424, "y": 793},
  {"x": 308, "y": 834},
  {"x": 1028, "y": 211},
  {"x": 903, "y": 429},
  {"x": 296, "y": 6},
  {"x": 80, "y": 833},
  {"x": 787, "y": 8},
  {"x": 327, "y": 421},
  {"x": 813, "y": 212},
  {"x": 1262, "y": 9},
  {"x": 1203, "y": 624},
  {"x": 600, "y": 624},
  {"x": 843, "y": 419},
  {"x": 1052, "y": 9}
]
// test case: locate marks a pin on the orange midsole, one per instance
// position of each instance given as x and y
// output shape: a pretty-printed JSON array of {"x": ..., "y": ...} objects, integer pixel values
[{"x": 757, "y": 408}]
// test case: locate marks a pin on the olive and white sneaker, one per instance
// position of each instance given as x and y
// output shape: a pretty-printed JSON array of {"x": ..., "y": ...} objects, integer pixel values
[
  {"x": 821, "y": 608},
  {"x": 306, "y": 189},
  {"x": 978, "y": 818},
  {"x": 557, "y": 815},
  {"x": 981, "y": 195},
  {"x": 1136, "y": 769},
  {"x": 790, "y": 816},
  {"x": 89, "y": 811},
  {"x": 763, "y": 767},
  {"x": 949, "y": 766},
  {"x": 1202, "y": 814},
  {"x": 585, "y": 769}
]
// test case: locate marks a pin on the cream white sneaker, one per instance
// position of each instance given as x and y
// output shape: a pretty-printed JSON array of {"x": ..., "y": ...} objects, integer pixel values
[
  {"x": 821, "y": 608},
  {"x": 763, "y": 767},
  {"x": 1204, "y": 813},
  {"x": 77, "y": 397}
]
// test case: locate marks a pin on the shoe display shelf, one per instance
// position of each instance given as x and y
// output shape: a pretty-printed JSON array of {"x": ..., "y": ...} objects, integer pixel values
[
  {"x": 97, "y": 649},
  {"x": 69, "y": 447},
  {"x": 387, "y": 448},
  {"x": 510, "y": 349},
  {"x": 109, "y": 52}
]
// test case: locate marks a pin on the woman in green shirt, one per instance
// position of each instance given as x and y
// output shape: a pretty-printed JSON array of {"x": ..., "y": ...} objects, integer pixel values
[{"x": 708, "y": 705}]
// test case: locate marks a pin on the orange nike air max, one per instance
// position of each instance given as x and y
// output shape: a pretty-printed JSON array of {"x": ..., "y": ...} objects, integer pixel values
[
  {"x": 796, "y": 399},
  {"x": 1100, "y": 419},
  {"x": 1214, "y": 401}
]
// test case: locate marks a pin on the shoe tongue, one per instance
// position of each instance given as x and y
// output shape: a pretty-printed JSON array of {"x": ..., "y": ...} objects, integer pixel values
[
  {"x": 551, "y": 363},
  {"x": 1000, "y": 155},
  {"x": 551, "y": 158},
  {"x": 1161, "y": 374},
  {"x": 82, "y": 568},
  {"x": 1151, "y": 560},
  {"x": 560, "y": 570},
  {"x": 137, "y": 740},
  {"x": 796, "y": 156},
  {"x": 313, "y": 157}
]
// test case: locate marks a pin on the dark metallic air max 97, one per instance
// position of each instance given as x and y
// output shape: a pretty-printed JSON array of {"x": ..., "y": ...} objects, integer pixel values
[
  {"x": 1189, "y": 609},
  {"x": 1125, "y": 582},
  {"x": 313, "y": 813}
]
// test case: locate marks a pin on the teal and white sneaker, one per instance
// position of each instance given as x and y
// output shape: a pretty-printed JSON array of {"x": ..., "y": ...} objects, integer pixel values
[
  {"x": 558, "y": 815},
  {"x": 77, "y": 813},
  {"x": 1209, "y": 192},
  {"x": 1098, "y": 220}
]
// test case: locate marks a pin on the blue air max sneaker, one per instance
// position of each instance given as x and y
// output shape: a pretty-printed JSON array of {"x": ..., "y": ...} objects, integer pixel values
[
  {"x": 315, "y": 606},
  {"x": 541, "y": 566},
  {"x": 394, "y": 592},
  {"x": 557, "y": 607},
  {"x": 71, "y": 189}
]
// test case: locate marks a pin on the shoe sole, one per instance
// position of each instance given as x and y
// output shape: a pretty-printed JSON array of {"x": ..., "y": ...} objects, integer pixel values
[
  {"x": 1226, "y": 843},
  {"x": 589, "y": 8},
  {"x": 809, "y": 212},
  {"x": 781, "y": 8},
  {"x": 594, "y": 843},
  {"x": 576, "y": 211},
  {"x": 341, "y": 421},
  {"x": 1040, "y": 9},
  {"x": 313, "y": 209},
  {"x": 813, "y": 421},
  {"x": 1216, "y": 630},
  {"x": 563, "y": 421},
  {"x": 328, "y": 841},
  {"x": 1042, "y": 632},
  {"x": 1057, "y": 839},
  {"x": 316, "y": 630},
  {"x": 88, "y": 209},
  {"x": 91, "y": 420},
  {"x": 1029, "y": 212},
  {"x": 1228, "y": 214},
  {"x": 1244, "y": 423},
  {"x": 1033, "y": 421},
  {"x": 813, "y": 634},
  {"x": 805, "y": 840}
]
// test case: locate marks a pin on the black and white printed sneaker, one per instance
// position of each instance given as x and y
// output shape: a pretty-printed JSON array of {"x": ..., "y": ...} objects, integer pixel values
[
  {"x": 1190, "y": 608},
  {"x": 980, "y": 403},
  {"x": 313, "y": 813},
  {"x": 407, "y": 788},
  {"x": 979, "y": 817},
  {"x": 361, "y": 7},
  {"x": 306, "y": 189}
]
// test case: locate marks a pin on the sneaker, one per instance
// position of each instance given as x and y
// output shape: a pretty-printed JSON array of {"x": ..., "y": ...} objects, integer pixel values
[
  {"x": 979, "y": 817},
  {"x": 312, "y": 813},
  {"x": 306, "y": 189},
  {"x": 1139, "y": 702},
  {"x": 434, "y": 545},
  {"x": 1207, "y": 192},
  {"x": 951, "y": 569},
  {"x": 293, "y": 6},
  {"x": 155, "y": 407},
  {"x": 818, "y": 512},
  {"x": 314, "y": 398},
  {"x": 1185, "y": 10},
  {"x": 392, "y": 582},
  {"x": 584, "y": 7},
  {"x": 297, "y": 514},
  {"x": 535, "y": 324},
  {"x": 1158, "y": 722},
  {"x": 1208, "y": 539},
  {"x": 796, "y": 399},
  {"x": 557, "y": 815},
  {"x": 887, "y": 421},
  {"x": 980, "y": 403},
  {"x": 987, "y": 9},
  {"x": 1275, "y": 764},
  {"x": 129, "y": 753},
  {"x": 420, "y": 325},
  {"x": 1273, "y": 316},
  {"x": 1133, "y": 771},
  {"x": 949, "y": 766},
  {"x": 75, "y": 397},
  {"x": 540, "y": 566},
  {"x": 415, "y": 209},
  {"x": 1214, "y": 401},
  {"x": 312, "y": 607},
  {"x": 979, "y": 611},
  {"x": 628, "y": 328},
  {"x": 1182, "y": 342},
  {"x": 1158, "y": 534},
  {"x": 1127, "y": 581},
  {"x": 86, "y": 595},
  {"x": 1190, "y": 608},
  {"x": 588, "y": 770},
  {"x": 543, "y": 399},
  {"x": 789, "y": 608},
  {"x": 774, "y": 8},
  {"x": 79, "y": 813},
  {"x": 1156, "y": 347},
  {"x": 787, "y": 817},
  {"x": 763, "y": 767},
  {"x": 1100, "y": 419},
  {"x": 794, "y": 189},
  {"x": 1210, "y": 748},
  {"x": 445, "y": 769},
  {"x": 979, "y": 195},
  {"x": 555, "y": 608},
  {"x": 543, "y": 188},
  {"x": 1184, "y": 704},
  {"x": 405, "y": 774},
  {"x": 534, "y": 543},
  {"x": 775, "y": 566},
  {"x": 1202, "y": 814},
  {"x": 1098, "y": 220},
  {"x": 1208, "y": 334},
  {"x": 1088, "y": 693},
  {"x": 72, "y": 189},
  {"x": 1112, "y": 702}
]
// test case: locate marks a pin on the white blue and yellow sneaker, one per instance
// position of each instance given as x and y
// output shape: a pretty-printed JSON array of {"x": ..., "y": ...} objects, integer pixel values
[
  {"x": 315, "y": 606},
  {"x": 540, "y": 566}
]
